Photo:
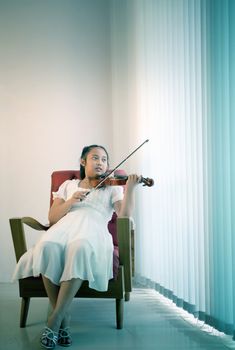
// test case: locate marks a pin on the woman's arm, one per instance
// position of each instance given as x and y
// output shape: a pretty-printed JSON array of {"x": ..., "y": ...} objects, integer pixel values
[
  {"x": 126, "y": 206},
  {"x": 60, "y": 207}
]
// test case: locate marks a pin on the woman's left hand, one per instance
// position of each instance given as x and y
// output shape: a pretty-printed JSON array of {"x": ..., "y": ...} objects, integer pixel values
[{"x": 133, "y": 180}]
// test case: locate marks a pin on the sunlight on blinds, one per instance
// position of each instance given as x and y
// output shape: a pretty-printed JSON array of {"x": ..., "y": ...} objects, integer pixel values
[{"x": 176, "y": 61}]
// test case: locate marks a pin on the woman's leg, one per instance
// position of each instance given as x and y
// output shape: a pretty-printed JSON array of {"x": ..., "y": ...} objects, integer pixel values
[
  {"x": 53, "y": 292},
  {"x": 61, "y": 299},
  {"x": 67, "y": 291}
]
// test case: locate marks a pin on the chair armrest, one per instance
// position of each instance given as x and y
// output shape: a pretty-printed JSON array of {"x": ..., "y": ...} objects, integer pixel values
[
  {"x": 126, "y": 249},
  {"x": 18, "y": 234},
  {"x": 34, "y": 224}
]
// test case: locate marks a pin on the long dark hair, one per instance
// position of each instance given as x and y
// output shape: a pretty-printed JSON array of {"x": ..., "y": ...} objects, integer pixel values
[{"x": 84, "y": 154}]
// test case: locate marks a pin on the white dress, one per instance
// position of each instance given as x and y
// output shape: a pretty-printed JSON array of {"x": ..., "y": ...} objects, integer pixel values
[{"x": 79, "y": 245}]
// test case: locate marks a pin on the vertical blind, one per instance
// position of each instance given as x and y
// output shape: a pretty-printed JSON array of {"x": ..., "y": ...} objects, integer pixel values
[{"x": 176, "y": 60}]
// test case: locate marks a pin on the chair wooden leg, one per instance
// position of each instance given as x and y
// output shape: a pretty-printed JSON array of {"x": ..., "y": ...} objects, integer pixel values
[
  {"x": 24, "y": 311},
  {"x": 119, "y": 313},
  {"x": 127, "y": 296}
]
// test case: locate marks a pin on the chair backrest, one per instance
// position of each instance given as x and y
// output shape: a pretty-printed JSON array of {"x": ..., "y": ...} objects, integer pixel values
[{"x": 58, "y": 177}]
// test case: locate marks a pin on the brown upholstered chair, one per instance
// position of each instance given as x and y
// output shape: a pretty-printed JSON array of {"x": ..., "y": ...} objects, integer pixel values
[{"x": 119, "y": 288}]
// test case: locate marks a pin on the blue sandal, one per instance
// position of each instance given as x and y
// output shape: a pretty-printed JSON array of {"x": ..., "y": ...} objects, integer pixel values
[
  {"x": 49, "y": 338},
  {"x": 64, "y": 338}
]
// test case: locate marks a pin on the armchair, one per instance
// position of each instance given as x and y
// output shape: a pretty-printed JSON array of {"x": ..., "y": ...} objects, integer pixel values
[{"x": 121, "y": 230}]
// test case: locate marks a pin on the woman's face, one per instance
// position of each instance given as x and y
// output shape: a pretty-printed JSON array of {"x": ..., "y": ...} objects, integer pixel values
[{"x": 96, "y": 162}]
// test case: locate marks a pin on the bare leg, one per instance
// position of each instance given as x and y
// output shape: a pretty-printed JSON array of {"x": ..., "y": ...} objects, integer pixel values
[
  {"x": 67, "y": 291},
  {"x": 53, "y": 292}
]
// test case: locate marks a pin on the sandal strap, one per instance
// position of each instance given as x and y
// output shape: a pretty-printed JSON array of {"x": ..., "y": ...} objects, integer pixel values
[
  {"x": 64, "y": 332},
  {"x": 64, "y": 337},
  {"x": 51, "y": 336}
]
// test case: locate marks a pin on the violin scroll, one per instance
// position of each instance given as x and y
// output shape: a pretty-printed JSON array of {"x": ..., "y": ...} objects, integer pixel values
[{"x": 147, "y": 181}]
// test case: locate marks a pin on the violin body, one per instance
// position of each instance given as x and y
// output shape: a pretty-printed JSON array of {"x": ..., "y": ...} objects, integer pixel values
[{"x": 118, "y": 180}]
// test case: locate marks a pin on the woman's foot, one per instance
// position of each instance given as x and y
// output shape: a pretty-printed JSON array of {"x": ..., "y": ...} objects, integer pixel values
[
  {"x": 49, "y": 338},
  {"x": 64, "y": 337},
  {"x": 57, "y": 331}
]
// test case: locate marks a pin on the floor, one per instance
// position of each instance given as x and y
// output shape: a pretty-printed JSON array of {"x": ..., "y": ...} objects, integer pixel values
[{"x": 150, "y": 323}]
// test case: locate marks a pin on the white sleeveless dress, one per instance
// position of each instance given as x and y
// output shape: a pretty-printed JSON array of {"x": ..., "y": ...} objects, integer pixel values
[{"x": 79, "y": 245}]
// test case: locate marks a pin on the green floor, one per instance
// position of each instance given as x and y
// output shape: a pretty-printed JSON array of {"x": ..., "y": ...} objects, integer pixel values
[{"x": 149, "y": 323}]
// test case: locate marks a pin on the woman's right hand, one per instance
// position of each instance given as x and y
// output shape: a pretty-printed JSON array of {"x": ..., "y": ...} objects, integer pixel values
[
  {"x": 60, "y": 207},
  {"x": 78, "y": 196}
]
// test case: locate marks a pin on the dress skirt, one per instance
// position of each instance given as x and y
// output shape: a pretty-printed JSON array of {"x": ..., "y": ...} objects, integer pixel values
[{"x": 78, "y": 246}]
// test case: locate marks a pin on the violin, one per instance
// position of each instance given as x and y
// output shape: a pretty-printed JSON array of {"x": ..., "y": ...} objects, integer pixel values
[{"x": 117, "y": 180}]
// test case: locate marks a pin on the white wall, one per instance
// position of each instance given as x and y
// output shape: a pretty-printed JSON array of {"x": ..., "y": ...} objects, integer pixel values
[{"x": 54, "y": 99}]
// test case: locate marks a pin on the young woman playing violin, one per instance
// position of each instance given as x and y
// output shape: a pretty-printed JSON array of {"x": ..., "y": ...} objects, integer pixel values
[{"x": 77, "y": 246}]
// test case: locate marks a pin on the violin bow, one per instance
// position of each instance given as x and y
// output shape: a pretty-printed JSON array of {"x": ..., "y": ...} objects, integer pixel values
[{"x": 112, "y": 171}]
